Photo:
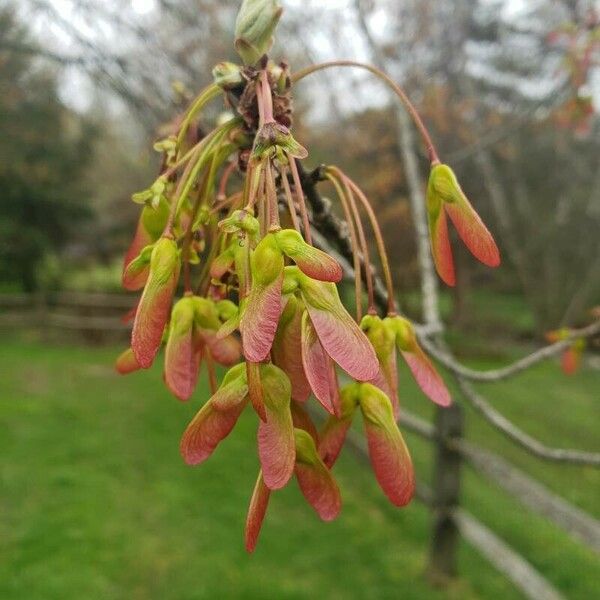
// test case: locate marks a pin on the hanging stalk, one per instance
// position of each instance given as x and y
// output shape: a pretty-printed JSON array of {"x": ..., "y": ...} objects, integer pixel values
[
  {"x": 289, "y": 199},
  {"x": 204, "y": 191},
  {"x": 383, "y": 256},
  {"x": 271, "y": 196},
  {"x": 364, "y": 246},
  {"x": 211, "y": 140},
  {"x": 353, "y": 243},
  {"x": 222, "y": 192},
  {"x": 412, "y": 111},
  {"x": 208, "y": 94},
  {"x": 300, "y": 197}
]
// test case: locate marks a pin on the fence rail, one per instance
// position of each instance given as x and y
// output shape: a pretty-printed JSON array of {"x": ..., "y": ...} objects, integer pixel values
[
  {"x": 70, "y": 311},
  {"x": 532, "y": 494},
  {"x": 103, "y": 314}
]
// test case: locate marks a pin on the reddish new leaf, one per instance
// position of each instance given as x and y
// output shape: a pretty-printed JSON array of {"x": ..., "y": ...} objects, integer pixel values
[
  {"x": 206, "y": 430},
  {"x": 570, "y": 358},
  {"x": 345, "y": 343},
  {"x": 155, "y": 303},
  {"x": 444, "y": 195},
  {"x": 225, "y": 351},
  {"x": 314, "y": 478},
  {"x": 570, "y": 361},
  {"x": 126, "y": 363},
  {"x": 181, "y": 361},
  {"x": 427, "y": 377},
  {"x": 149, "y": 228},
  {"x": 287, "y": 348},
  {"x": 388, "y": 453},
  {"x": 135, "y": 280},
  {"x": 276, "y": 448},
  {"x": 262, "y": 308},
  {"x": 423, "y": 371},
  {"x": 387, "y": 379},
  {"x": 233, "y": 389},
  {"x": 255, "y": 389},
  {"x": 334, "y": 388},
  {"x": 256, "y": 512},
  {"x": 337, "y": 331},
  {"x": 382, "y": 335},
  {"x": 316, "y": 366},
  {"x": 440, "y": 244},
  {"x": 473, "y": 232},
  {"x": 333, "y": 434}
]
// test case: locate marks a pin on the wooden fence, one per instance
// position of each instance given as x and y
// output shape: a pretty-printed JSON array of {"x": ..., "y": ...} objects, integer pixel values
[
  {"x": 98, "y": 317},
  {"x": 94, "y": 317}
]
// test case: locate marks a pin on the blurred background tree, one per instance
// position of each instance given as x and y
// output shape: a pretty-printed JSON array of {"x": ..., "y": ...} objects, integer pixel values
[
  {"x": 509, "y": 89},
  {"x": 44, "y": 149}
]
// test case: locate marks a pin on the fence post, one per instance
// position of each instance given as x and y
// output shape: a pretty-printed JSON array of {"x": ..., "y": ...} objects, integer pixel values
[
  {"x": 40, "y": 306},
  {"x": 446, "y": 491}
]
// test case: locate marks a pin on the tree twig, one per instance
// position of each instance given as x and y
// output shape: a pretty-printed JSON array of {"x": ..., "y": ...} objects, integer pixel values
[
  {"x": 527, "y": 442},
  {"x": 516, "y": 367}
]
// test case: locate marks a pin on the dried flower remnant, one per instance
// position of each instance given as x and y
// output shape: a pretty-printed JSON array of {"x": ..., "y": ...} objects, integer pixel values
[{"x": 229, "y": 275}]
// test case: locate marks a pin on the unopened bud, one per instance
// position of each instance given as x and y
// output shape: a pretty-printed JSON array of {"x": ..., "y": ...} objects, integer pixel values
[
  {"x": 227, "y": 75},
  {"x": 168, "y": 146},
  {"x": 153, "y": 195},
  {"x": 254, "y": 28},
  {"x": 239, "y": 220}
]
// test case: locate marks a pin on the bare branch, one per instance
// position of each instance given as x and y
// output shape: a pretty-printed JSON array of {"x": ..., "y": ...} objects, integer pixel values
[
  {"x": 529, "y": 443},
  {"x": 520, "y": 365}
]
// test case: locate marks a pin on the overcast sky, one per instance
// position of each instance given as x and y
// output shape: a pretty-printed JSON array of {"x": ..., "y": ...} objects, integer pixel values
[{"x": 77, "y": 90}]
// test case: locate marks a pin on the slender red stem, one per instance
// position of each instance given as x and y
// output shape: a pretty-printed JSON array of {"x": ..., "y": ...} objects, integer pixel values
[
  {"x": 254, "y": 178},
  {"x": 227, "y": 171},
  {"x": 412, "y": 111},
  {"x": 383, "y": 257},
  {"x": 218, "y": 206},
  {"x": 271, "y": 197},
  {"x": 300, "y": 197},
  {"x": 364, "y": 247},
  {"x": 289, "y": 199},
  {"x": 263, "y": 212},
  {"x": 267, "y": 98},
  {"x": 212, "y": 376},
  {"x": 353, "y": 242}
]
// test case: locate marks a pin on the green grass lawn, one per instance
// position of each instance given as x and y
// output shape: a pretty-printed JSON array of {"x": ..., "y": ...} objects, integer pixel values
[{"x": 96, "y": 503}]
